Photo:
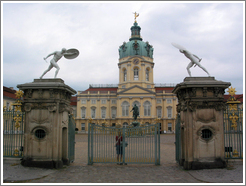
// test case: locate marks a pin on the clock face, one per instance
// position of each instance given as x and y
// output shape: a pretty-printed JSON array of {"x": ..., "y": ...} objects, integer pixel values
[{"x": 136, "y": 61}]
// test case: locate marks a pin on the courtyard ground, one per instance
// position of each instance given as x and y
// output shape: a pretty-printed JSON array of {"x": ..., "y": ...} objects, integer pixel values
[{"x": 79, "y": 172}]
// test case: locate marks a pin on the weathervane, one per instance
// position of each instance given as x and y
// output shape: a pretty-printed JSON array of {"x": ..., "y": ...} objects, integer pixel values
[{"x": 136, "y": 15}]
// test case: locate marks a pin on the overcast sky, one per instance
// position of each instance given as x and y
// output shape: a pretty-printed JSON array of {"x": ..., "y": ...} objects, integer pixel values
[{"x": 31, "y": 31}]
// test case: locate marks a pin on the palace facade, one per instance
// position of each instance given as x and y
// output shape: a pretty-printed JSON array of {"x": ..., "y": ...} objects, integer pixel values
[{"x": 111, "y": 105}]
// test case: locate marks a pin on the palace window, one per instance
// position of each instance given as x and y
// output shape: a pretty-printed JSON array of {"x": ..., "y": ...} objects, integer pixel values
[
  {"x": 113, "y": 112},
  {"x": 93, "y": 101},
  {"x": 125, "y": 108},
  {"x": 169, "y": 112},
  {"x": 147, "y": 74},
  {"x": 103, "y": 112},
  {"x": 93, "y": 112},
  {"x": 159, "y": 111},
  {"x": 125, "y": 75},
  {"x": 158, "y": 101},
  {"x": 169, "y": 127},
  {"x": 169, "y": 101},
  {"x": 82, "y": 126},
  {"x": 83, "y": 112},
  {"x": 7, "y": 106},
  {"x": 83, "y": 101},
  {"x": 103, "y": 101},
  {"x": 147, "y": 108},
  {"x": 113, "y": 101},
  {"x": 135, "y": 73}
]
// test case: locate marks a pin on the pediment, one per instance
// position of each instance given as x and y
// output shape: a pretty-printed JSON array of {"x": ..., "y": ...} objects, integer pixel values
[{"x": 136, "y": 90}]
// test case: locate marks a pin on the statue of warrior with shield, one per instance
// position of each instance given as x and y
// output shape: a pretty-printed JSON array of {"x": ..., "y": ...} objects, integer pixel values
[{"x": 68, "y": 54}]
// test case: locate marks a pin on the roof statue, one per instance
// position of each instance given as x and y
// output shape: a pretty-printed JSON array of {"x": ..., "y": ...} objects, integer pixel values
[
  {"x": 194, "y": 59},
  {"x": 57, "y": 55}
]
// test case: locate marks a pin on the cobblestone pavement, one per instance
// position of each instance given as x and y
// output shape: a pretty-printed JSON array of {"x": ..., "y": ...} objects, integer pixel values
[{"x": 80, "y": 172}]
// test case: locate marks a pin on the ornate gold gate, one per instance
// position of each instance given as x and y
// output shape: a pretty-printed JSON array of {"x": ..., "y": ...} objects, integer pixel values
[
  {"x": 13, "y": 129},
  {"x": 233, "y": 127}
]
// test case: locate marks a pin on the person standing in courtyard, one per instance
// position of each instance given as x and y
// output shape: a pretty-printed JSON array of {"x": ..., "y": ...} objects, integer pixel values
[{"x": 119, "y": 148}]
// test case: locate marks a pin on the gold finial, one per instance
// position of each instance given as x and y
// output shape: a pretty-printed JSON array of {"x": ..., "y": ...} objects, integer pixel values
[
  {"x": 19, "y": 94},
  {"x": 231, "y": 91},
  {"x": 90, "y": 120},
  {"x": 136, "y": 15}
]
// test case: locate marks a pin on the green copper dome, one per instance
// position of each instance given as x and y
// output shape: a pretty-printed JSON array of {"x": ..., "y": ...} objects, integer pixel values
[{"x": 136, "y": 46}]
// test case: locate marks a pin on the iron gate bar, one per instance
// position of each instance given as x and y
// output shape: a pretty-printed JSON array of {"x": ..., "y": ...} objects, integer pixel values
[
  {"x": 178, "y": 139},
  {"x": 71, "y": 139}
]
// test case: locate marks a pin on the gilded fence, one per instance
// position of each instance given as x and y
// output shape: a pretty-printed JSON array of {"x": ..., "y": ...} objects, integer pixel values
[
  {"x": 13, "y": 129},
  {"x": 233, "y": 127}
]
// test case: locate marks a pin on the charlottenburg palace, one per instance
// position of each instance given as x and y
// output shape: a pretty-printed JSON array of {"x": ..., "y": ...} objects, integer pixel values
[{"x": 111, "y": 105}]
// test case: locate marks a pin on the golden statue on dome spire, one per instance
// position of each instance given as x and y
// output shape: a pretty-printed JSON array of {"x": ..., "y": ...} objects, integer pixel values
[{"x": 136, "y": 15}]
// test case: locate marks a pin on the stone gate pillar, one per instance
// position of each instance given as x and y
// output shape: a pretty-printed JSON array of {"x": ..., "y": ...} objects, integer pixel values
[
  {"x": 201, "y": 113},
  {"x": 47, "y": 108}
]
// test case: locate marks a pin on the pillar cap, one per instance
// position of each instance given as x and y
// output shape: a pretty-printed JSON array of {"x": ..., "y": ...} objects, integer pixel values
[
  {"x": 200, "y": 82},
  {"x": 54, "y": 83}
]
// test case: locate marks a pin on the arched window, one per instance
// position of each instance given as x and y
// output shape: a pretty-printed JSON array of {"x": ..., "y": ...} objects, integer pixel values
[
  {"x": 125, "y": 108},
  {"x": 147, "y": 106},
  {"x": 135, "y": 73},
  {"x": 147, "y": 74},
  {"x": 124, "y": 75}
]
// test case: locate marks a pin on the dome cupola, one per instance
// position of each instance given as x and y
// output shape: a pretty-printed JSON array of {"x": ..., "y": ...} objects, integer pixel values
[
  {"x": 136, "y": 45},
  {"x": 135, "y": 32}
]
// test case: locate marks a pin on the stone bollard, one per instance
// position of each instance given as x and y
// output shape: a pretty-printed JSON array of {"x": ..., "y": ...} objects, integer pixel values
[
  {"x": 47, "y": 108},
  {"x": 201, "y": 109}
]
